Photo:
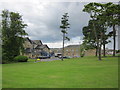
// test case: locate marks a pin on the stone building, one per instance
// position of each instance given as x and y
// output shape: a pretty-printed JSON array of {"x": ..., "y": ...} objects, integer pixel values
[
  {"x": 42, "y": 50},
  {"x": 34, "y": 48},
  {"x": 28, "y": 46},
  {"x": 73, "y": 51},
  {"x": 56, "y": 51},
  {"x": 90, "y": 52}
]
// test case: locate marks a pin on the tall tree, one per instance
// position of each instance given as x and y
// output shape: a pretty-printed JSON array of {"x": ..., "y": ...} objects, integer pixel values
[
  {"x": 91, "y": 8},
  {"x": 98, "y": 23},
  {"x": 64, "y": 27},
  {"x": 12, "y": 34},
  {"x": 89, "y": 37},
  {"x": 112, "y": 13},
  {"x": 107, "y": 15}
]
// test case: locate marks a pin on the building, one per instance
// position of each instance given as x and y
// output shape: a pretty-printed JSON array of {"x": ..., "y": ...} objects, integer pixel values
[
  {"x": 41, "y": 50},
  {"x": 90, "y": 52},
  {"x": 109, "y": 51},
  {"x": 71, "y": 51},
  {"x": 35, "y": 48},
  {"x": 56, "y": 51}
]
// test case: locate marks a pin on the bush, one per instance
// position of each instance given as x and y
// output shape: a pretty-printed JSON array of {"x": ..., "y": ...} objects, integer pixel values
[
  {"x": 118, "y": 51},
  {"x": 82, "y": 55},
  {"x": 21, "y": 58}
]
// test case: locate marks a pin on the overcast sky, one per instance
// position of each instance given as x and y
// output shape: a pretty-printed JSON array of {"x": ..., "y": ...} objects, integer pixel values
[{"x": 43, "y": 19}]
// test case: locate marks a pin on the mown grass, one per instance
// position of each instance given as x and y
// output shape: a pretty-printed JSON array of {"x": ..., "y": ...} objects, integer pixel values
[
  {"x": 0, "y": 76},
  {"x": 85, "y": 72}
]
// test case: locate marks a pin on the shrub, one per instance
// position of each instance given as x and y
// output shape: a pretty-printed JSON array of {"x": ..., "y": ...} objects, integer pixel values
[
  {"x": 118, "y": 51},
  {"x": 21, "y": 58},
  {"x": 82, "y": 50},
  {"x": 82, "y": 55}
]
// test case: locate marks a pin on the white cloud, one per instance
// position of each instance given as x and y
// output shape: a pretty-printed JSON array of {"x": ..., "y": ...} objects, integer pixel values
[
  {"x": 59, "y": 1},
  {"x": 74, "y": 41}
]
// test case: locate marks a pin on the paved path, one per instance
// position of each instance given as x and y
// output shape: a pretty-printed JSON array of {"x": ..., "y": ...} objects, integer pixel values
[{"x": 49, "y": 59}]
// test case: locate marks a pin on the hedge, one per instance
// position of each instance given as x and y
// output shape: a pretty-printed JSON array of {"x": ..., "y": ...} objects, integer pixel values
[{"x": 21, "y": 58}]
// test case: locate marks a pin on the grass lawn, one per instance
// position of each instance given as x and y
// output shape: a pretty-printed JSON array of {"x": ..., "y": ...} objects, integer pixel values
[
  {"x": 0, "y": 76},
  {"x": 85, "y": 72}
]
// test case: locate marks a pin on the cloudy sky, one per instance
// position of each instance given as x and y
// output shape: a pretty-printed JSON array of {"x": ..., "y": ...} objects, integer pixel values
[{"x": 43, "y": 19}]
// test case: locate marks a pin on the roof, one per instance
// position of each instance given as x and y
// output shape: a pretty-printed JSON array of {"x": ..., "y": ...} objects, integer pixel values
[
  {"x": 47, "y": 46},
  {"x": 41, "y": 47},
  {"x": 29, "y": 40},
  {"x": 38, "y": 42}
]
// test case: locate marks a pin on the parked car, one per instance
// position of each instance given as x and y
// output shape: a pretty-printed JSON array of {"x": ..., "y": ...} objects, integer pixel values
[
  {"x": 58, "y": 54},
  {"x": 43, "y": 57}
]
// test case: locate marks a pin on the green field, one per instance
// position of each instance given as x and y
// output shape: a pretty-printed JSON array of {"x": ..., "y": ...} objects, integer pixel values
[
  {"x": 85, "y": 72},
  {"x": 0, "y": 76}
]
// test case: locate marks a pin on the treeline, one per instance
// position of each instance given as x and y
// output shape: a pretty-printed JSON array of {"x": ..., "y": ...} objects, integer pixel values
[
  {"x": 12, "y": 27},
  {"x": 102, "y": 17}
]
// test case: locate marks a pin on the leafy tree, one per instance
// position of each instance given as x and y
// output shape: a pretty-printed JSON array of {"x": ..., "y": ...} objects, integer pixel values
[
  {"x": 93, "y": 11},
  {"x": 97, "y": 24},
  {"x": 89, "y": 38},
  {"x": 109, "y": 13},
  {"x": 112, "y": 13},
  {"x": 12, "y": 34},
  {"x": 102, "y": 15},
  {"x": 82, "y": 50},
  {"x": 64, "y": 27}
]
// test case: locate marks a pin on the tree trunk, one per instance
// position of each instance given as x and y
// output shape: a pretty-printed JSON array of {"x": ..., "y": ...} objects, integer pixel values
[
  {"x": 100, "y": 52},
  {"x": 63, "y": 46},
  {"x": 114, "y": 40},
  {"x": 97, "y": 49},
  {"x": 96, "y": 52},
  {"x": 104, "y": 50},
  {"x": 96, "y": 37},
  {"x": 103, "y": 37},
  {"x": 100, "y": 45}
]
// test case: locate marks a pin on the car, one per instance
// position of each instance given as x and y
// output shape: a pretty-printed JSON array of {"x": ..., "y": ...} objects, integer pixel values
[{"x": 43, "y": 57}]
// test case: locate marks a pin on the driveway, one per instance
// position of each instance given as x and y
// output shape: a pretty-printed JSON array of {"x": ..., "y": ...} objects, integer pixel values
[{"x": 49, "y": 59}]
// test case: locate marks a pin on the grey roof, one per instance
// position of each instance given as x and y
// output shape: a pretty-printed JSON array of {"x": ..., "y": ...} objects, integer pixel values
[
  {"x": 38, "y": 42},
  {"x": 42, "y": 47}
]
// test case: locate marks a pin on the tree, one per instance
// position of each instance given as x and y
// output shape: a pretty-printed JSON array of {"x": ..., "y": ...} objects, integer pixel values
[
  {"x": 109, "y": 17},
  {"x": 112, "y": 12},
  {"x": 85, "y": 46},
  {"x": 91, "y": 8},
  {"x": 12, "y": 34},
  {"x": 64, "y": 27},
  {"x": 89, "y": 35},
  {"x": 82, "y": 50},
  {"x": 102, "y": 13},
  {"x": 89, "y": 38}
]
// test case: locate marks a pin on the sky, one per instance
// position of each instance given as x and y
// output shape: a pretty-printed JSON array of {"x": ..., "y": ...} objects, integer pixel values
[{"x": 44, "y": 19}]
